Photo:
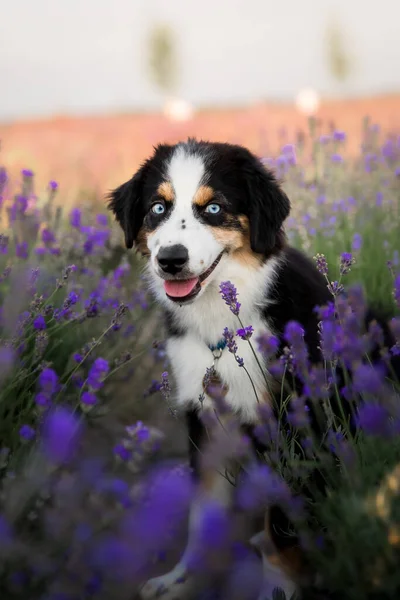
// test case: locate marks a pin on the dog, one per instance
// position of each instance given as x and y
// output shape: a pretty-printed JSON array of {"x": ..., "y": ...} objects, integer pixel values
[{"x": 203, "y": 213}]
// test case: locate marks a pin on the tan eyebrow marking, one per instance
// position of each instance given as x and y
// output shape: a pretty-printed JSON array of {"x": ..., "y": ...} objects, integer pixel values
[
  {"x": 166, "y": 191},
  {"x": 203, "y": 195}
]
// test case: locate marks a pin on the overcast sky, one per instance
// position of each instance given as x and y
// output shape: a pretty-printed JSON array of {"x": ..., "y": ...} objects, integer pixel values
[{"x": 79, "y": 56}]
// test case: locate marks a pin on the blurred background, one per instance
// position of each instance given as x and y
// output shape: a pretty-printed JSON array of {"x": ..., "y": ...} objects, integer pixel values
[{"x": 89, "y": 86}]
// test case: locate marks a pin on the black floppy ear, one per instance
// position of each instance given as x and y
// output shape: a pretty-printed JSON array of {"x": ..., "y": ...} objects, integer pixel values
[
  {"x": 126, "y": 204},
  {"x": 269, "y": 207}
]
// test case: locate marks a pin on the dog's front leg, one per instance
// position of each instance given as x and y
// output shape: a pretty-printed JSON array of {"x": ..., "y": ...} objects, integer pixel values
[{"x": 211, "y": 486}]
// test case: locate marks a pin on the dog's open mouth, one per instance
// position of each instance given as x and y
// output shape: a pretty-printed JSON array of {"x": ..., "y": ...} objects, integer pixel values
[{"x": 182, "y": 290}]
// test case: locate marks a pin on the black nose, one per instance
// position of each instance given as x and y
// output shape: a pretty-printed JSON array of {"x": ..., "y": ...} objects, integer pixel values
[{"x": 172, "y": 259}]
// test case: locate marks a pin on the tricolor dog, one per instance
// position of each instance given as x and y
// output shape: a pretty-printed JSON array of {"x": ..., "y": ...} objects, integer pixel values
[{"x": 204, "y": 213}]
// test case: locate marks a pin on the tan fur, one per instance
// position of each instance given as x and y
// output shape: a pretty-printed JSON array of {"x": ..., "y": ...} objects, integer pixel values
[
  {"x": 141, "y": 242},
  {"x": 238, "y": 243},
  {"x": 289, "y": 560},
  {"x": 166, "y": 191},
  {"x": 203, "y": 195}
]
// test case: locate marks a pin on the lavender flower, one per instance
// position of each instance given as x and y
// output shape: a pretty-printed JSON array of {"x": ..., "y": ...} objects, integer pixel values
[
  {"x": 48, "y": 237},
  {"x": 396, "y": 291},
  {"x": 88, "y": 399},
  {"x": 267, "y": 344},
  {"x": 321, "y": 264},
  {"x": 97, "y": 373},
  {"x": 229, "y": 337},
  {"x": 373, "y": 419},
  {"x": 21, "y": 250},
  {"x": 165, "y": 385},
  {"x": 229, "y": 295},
  {"x": 48, "y": 381},
  {"x": 60, "y": 435},
  {"x": 27, "y": 433},
  {"x": 245, "y": 333},
  {"x": 39, "y": 323},
  {"x": 75, "y": 217},
  {"x": 357, "y": 242},
  {"x": 346, "y": 262},
  {"x": 122, "y": 452},
  {"x": 339, "y": 136},
  {"x": 294, "y": 335}
]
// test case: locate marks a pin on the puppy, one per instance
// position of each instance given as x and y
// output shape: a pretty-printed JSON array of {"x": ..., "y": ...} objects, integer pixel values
[{"x": 204, "y": 213}]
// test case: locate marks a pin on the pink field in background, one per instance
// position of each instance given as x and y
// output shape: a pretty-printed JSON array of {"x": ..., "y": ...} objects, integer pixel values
[{"x": 89, "y": 155}]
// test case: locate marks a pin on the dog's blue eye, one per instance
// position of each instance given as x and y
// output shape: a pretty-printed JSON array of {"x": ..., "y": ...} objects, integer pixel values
[
  {"x": 158, "y": 208},
  {"x": 213, "y": 209}
]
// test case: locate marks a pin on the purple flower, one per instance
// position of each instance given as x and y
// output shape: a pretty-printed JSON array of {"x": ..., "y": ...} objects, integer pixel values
[
  {"x": 70, "y": 300},
  {"x": 245, "y": 333},
  {"x": 324, "y": 139},
  {"x": 357, "y": 242},
  {"x": 122, "y": 452},
  {"x": 39, "y": 323},
  {"x": 75, "y": 217},
  {"x": 89, "y": 399},
  {"x": 21, "y": 250},
  {"x": 230, "y": 340},
  {"x": 27, "y": 433},
  {"x": 294, "y": 335},
  {"x": 165, "y": 385},
  {"x": 396, "y": 290},
  {"x": 229, "y": 296},
  {"x": 267, "y": 344},
  {"x": 321, "y": 263},
  {"x": 102, "y": 219},
  {"x": 97, "y": 373},
  {"x": 373, "y": 419},
  {"x": 328, "y": 338},
  {"x": 339, "y": 136},
  {"x": 77, "y": 357},
  {"x": 214, "y": 527},
  {"x": 48, "y": 381},
  {"x": 53, "y": 185},
  {"x": 61, "y": 434},
  {"x": 42, "y": 400},
  {"x": 27, "y": 173},
  {"x": 368, "y": 380},
  {"x": 48, "y": 237},
  {"x": 298, "y": 416},
  {"x": 262, "y": 487},
  {"x": 346, "y": 262},
  {"x": 336, "y": 158}
]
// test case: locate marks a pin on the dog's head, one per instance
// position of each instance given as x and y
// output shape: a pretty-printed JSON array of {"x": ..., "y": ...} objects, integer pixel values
[{"x": 194, "y": 205}]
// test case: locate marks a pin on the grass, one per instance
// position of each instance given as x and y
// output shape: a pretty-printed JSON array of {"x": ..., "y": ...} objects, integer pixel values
[{"x": 86, "y": 500}]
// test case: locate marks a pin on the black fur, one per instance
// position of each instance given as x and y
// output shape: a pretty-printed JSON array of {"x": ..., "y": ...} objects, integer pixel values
[{"x": 244, "y": 187}]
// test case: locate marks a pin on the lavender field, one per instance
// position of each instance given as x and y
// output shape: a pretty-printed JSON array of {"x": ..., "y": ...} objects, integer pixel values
[{"x": 95, "y": 490}]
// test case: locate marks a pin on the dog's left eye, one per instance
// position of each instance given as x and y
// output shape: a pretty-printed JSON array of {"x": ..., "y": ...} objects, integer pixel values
[
  {"x": 213, "y": 209},
  {"x": 158, "y": 208}
]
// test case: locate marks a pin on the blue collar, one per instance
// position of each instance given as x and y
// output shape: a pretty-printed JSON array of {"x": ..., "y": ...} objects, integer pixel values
[{"x": 219, "y": 346}]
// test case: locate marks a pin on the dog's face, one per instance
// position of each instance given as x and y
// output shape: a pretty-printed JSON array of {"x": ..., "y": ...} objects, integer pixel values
[{"x": 195, "y": 205}]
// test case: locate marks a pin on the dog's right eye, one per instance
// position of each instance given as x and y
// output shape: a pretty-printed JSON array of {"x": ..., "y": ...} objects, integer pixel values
[{"x": 158, "y": 208}]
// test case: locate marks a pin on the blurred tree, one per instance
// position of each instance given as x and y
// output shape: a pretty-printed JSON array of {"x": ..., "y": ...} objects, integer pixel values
[
  {"x": 338, "y": 57},
  {"x": 162, "y": 58}
]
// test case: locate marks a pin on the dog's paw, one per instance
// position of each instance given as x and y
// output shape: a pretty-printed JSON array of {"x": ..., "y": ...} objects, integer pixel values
[{"x": 175, "y": 585}]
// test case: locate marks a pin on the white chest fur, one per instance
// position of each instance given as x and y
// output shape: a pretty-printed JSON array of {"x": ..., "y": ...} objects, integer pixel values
[{"x": 204, "y": 322}]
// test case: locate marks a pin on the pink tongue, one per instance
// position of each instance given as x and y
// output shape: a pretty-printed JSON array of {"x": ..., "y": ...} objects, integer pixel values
[{"x": 180, "y": 289}]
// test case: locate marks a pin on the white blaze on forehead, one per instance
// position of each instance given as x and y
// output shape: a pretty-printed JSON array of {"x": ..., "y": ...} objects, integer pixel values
[{"x": 186, "y": 173}]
